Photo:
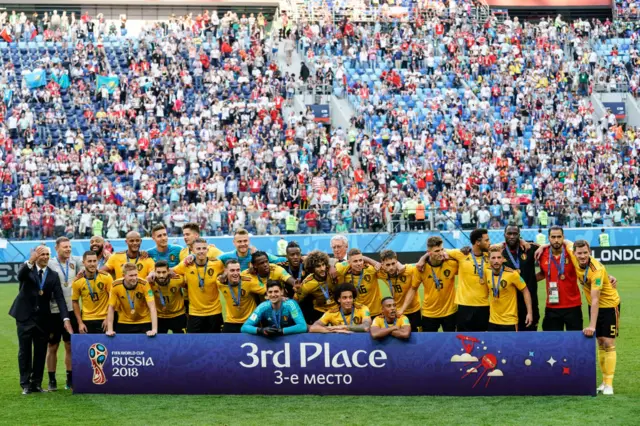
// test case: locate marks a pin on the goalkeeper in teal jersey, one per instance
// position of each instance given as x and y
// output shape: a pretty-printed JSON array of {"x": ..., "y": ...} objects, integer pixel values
[{"x": 277, "y": 316}]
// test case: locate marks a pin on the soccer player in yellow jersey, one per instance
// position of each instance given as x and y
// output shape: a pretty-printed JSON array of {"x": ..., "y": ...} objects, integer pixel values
[
  {"x": 319, "y": 285},
  {"x": 347, "y": 317},
  {"x": 205, "y": 309},
  {"x": 604, "y": 309},
  {"x": 133, "y": 299},
  {"x": 390, "y": 323},
  {"x": 503, "y": 284},
  {"x": 190, "y": 233},
  {"x": 169, "y": 301},
  {"x": 364, "y": 278},
  {"x": 439, "y": 282},
  {"x": 132, "y": 255},
  {"x": 472, "y": 293},
  {"x": 402, "y": 287},
  {"x": 93, "y": 289},
  {"x": 240, "y": 292}
]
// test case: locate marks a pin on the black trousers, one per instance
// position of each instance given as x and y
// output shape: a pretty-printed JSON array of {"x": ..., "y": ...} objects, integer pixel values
[
  {"x": 208, "y": 324},
  {"x": 32, "y": 353},
  {"x": 472, "y": 318},
  {"x": 231, "y": 327}
]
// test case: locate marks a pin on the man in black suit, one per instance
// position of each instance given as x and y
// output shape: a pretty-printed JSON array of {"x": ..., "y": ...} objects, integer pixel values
[{"x": 31, "y": 309}]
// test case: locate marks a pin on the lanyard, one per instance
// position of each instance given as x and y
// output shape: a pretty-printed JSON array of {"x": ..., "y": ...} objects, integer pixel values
[
  {"x": 89, "y": 284},
  {"x": 353, "y": 312},
  {"x": 479, "y": 270},
  {"x": 236, "y": 301},
  {"x": 44, "y": 279},
  {"x": 65, "y": 271},
  {"x": 386, "y": 325},
  {"x": 586, "y": 272},
  {"x": 137, "y": 257},
  {"x": 391, "y": 286},
  {"x": 559, "y": 268},
  {"x": 516, "y": 261},
  {"x": 131, "y": 301},
  {"x": 496, "y": 288},
  {"x": 325, "y": 290},
  {"x": 161, "y": 295},
  {"x": 201, "y": 279},
  {"x": 359, "y": 280},
  {"x": 100, "y": 263},
  {"x": 299, "y": 272},
  {"x": 435, "y": 278},
  {"x": 277, "y": 316},
  {"x": 264, "y": 284}
]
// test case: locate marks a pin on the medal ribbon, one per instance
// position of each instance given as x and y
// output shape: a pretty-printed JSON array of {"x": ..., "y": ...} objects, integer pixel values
[
  {"x": 559, "y": 268},
  {"x": 236, "y": 301},
  {"x": 359, "y": 280},
  {"x": 201, "y": 279},
  {"x": 325, "y": 290},
  {"x": 435, "y": 278},
  {"x": 65, "y": 271},
  {"x": 391, "y": 286},
  {"x": 44, "y": 279},
  {"x": 89, "y": 285},
  {"x": 513, "y": 261},
  {"x": 480, "y": 269},
  {"x": 299, "y": 272},
  {"x": 129, "y": 260},
  {"x": 161, "y": 295},
  {"x": 386, "y": 325},
  {"x": 131, "y": 301},
  {"x": 277, "y": 315},
  {"x": 586, "y": 272},
  {"x": 496, "y": 288},
  {"x": 353, "y": 312}
]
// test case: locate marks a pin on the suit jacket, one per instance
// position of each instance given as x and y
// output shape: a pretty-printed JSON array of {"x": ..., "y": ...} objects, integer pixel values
[{"x": 29, "y": 305}]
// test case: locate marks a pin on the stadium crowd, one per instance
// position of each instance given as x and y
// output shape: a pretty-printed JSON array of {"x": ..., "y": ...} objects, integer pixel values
[{"x": 458, "y": 124}]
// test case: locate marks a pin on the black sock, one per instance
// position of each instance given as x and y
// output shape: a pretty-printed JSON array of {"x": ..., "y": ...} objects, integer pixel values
[
  {"x": 52, "y": 376},
  {"x": 69, "y": 377}
]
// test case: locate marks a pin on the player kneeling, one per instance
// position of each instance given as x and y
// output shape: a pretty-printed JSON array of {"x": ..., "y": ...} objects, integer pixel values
[
  {"x": 388, "y": 324},
  {"x": 277, "y": 316}
]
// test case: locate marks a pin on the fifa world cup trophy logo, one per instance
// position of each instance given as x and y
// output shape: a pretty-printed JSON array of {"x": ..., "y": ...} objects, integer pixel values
[{"x": 98, "y": 356}]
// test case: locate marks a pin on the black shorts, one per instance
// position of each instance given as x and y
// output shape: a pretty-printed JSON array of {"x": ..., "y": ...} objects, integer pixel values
[
  {"x": 313, "y": 315},
  {"x": 432, "y": 325},
  {"x": 208, "y": 324},
  {"x": 94, "y": 326},
  {"x": 177, "y": 325},
  {"x": 559, "y": 319},
  {"x": 608, "y": 322},
  {"x": 133, "y": 328},
  {"x": 415, "y": 319},
  {"x": 501, "y": 327},
  {"x": 57, "y": 331},
  {"x": 472, "y": 318},
  {"x": 230, "y": 327}
]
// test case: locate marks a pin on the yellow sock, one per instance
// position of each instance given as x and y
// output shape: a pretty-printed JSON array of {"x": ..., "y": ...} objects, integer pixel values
[
  {"x": 601, "y": 355},
  {"x": 609, "y": 365}
]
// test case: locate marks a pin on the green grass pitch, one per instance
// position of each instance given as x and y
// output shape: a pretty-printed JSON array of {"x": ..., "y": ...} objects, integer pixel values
[{"x": 63, "y": 408}]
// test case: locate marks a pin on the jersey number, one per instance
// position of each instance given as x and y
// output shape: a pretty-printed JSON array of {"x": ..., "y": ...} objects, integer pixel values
[
  {"x": 397, "y": 288},
  {"x": 362, "y": 289}
]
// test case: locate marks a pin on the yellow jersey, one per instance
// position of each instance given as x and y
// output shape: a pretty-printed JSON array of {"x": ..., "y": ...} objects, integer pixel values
[
  {"x": 131, "y": 305},
  {"x": 203, "y": 300},
  {"x": 212, "y": 252},
  {"x": 169, "y": 300},
  {"x": 334, "y": 317},
  {"x": 596, "y": 278},
  {"x": 471, "y": 290},
  {"x": 322, "y": 293},
  {"x": 250, "y": 288},
  {"x": 379, "y": 321},
  {"x": 439, "y": 299},
  {"x": 401, "y": 284},
  {"x": 94, "y": 295},
  {"x": 117, "y": 260},
  {"x": 503, "y": 302},
  {"x": 366, "y": 282}
]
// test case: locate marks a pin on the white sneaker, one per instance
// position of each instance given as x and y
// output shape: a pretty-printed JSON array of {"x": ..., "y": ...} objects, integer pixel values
[
  {"x": 600, "y": 388},
  {"x": 608, "y": 390}
]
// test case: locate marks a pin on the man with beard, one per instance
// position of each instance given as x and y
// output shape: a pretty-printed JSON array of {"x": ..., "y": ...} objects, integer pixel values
[
  {"x": 240, "y": 292},
  {"x": 133, "y": 299},
  {"x": 169, "y": 301},
  {"x": 66, "y": 266},
  {"x": 319, "y": 285},
  {"x": 389, "y": 323},
  {"x": 170, "y": 253},
  {"x": 97, "y": 245},
  {"x": 278, "y": 315},
  {"x": 524, "y": 263},
  {"x": 364, "y": 278},
  {"x": 93, "y": 289},
  {"x": 347, "y": 317},
  {"x": 242, "y": 252},
  {"x": 402, "y": 287},
  {"x": 190, "y": 233},
  {"x": 143, "y": 263},
  {"x": 294, "y": 266}
]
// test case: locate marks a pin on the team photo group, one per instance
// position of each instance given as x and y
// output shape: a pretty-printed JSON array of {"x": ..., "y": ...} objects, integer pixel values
[{"x": 184, "y": 289}]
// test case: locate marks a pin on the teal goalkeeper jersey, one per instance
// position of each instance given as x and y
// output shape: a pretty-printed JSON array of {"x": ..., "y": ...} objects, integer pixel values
[{"x": 289, "y": 318}]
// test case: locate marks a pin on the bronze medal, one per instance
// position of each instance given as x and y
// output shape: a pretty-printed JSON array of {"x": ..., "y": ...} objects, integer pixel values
[
  {"x": 133, "y": 312},
  {"x": 523, "y": 256},
  {"x": 41, "y": 292},
  {"x": 481, "y": 280},
  {"x": 329, "y": 301},
  {"x": 562, "y": 277},
  {"x": 66, "y": 284},
  {"x": 518, "y": 270}
]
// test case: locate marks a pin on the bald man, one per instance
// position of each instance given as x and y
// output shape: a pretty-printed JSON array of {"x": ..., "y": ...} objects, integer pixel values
[
  {"x": 96, "y": 245},
  {"x": 133, "y": 254}
]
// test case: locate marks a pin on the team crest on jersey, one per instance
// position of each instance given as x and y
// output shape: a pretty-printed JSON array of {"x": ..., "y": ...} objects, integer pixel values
[
  {"x": 210, "y": 272},
  {"x": 172, "y": 257},
  {"x": 72, "y": 266},
  {"x": 447, "y": 273},
  {"x": 139, "y": 266},
  {"x": 139, "y": 295},
  {"x": 244, "y": 292},
  {"x": 403, "y": 279},
  {"x": 173, "y": 289},
  {"x": 367, "y": 278},
  {"x": 284, "y": 318},
  {"x": 100, "y": 285},
  {"x": 503, "y": 284},
  {"x": 357, "y": 320}
]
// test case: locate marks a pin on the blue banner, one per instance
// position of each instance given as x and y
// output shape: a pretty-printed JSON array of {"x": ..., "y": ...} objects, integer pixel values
[
  {"x": 474, "y": 364},
  {"x": 35, "y": 79},
  {"x": 617, "y": 108},
  {"x": 110, "y": 82}
]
